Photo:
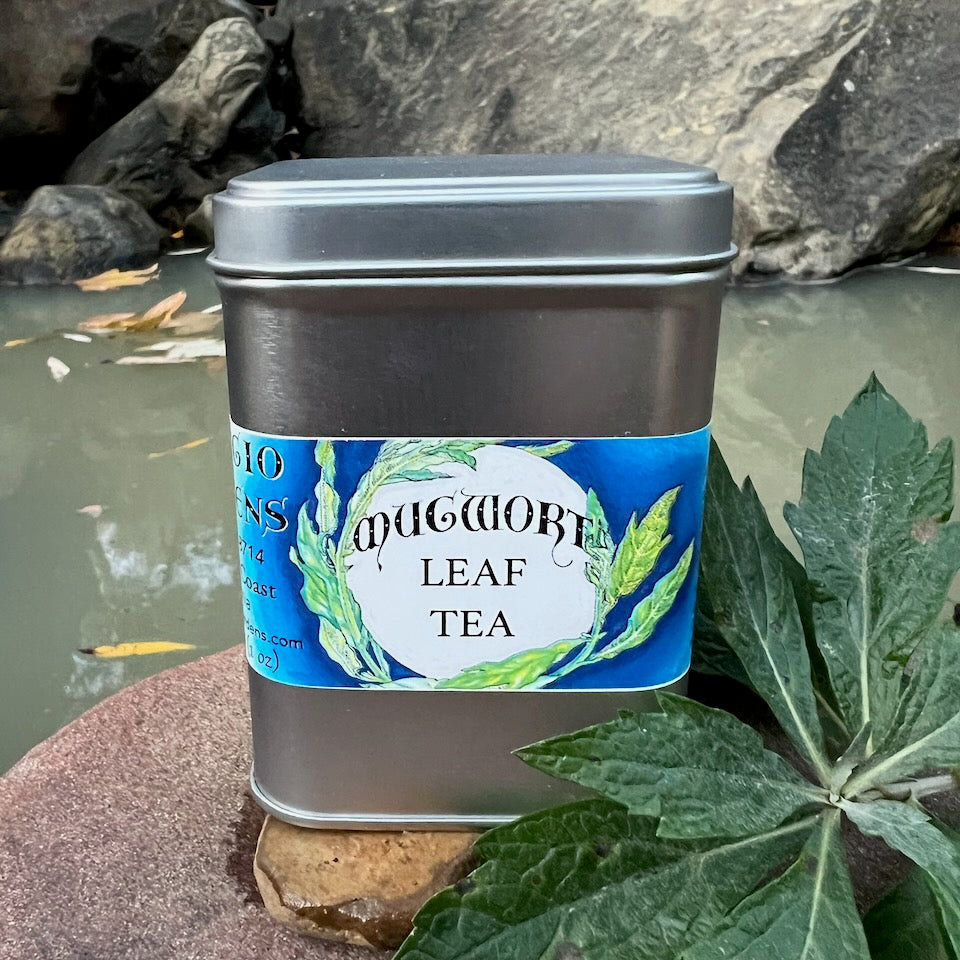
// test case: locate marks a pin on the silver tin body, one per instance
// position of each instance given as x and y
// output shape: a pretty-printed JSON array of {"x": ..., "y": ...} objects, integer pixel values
[{"x": 471, "y": 352}]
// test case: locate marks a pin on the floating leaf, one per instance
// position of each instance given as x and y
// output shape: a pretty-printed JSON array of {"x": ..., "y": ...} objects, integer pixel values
[
  {"x": 137, "y": 648},
  {"x": 191, "y": 445},
  {"x": 76, "y": 337},
  {"x": 191, "y": 323},
  {"x": 58, "y": 369},
  {"x": 642, "y": 545},
  {"x": 19, "y": 341},
  {"x": 112, "y": 279},
  {"x": 879, "y": 557},
  {"x": 808, "y": 913},
  {"x": 105, "y": 322},
  {"x": 91, "y": 510},
  {"x": 176, "y": 351},
  {"x": 700, "y": 770}
]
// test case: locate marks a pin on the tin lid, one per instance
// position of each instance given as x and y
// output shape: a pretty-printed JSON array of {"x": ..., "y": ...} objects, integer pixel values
[{"x": 403, "y": 216}]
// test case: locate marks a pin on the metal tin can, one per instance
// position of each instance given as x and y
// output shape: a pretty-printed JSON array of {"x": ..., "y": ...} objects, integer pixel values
[{"x": 470, "y": 401}]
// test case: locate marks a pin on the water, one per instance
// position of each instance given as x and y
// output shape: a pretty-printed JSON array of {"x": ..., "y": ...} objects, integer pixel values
[{"x": 158, "y": 561}]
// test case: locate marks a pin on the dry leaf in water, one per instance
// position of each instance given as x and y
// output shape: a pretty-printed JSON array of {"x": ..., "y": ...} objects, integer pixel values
[
  {"x": 76, "y": 337},
  {"x": 186, "y": 324},
  {"x": 191, "y": 445},
  {"x": 176, "y": 351},
  {"x": 91, "y": 510},
  {"x": 58, "y": 369},
  {"x": 137, "y": 648},
  {"x": 112, "y": 279},
  {"x": 19, "y": 342}
]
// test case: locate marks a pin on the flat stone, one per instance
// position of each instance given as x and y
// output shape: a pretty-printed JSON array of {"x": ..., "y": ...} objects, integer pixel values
[
  {"x": 129, "y": 835},
  {"x": 360, "y": 887}
]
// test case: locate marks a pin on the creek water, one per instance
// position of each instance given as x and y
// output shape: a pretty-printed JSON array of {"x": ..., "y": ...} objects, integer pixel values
[{"x": 112, "y": 529}]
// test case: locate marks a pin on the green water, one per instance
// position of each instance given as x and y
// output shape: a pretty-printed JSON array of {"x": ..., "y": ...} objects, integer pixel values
[{"x": 158, "y": 561}]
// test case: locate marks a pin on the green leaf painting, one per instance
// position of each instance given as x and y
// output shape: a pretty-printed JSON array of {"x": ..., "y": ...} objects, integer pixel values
[
  {"x": 705, "y": 844},
  {"x": 617, "y": 571}
]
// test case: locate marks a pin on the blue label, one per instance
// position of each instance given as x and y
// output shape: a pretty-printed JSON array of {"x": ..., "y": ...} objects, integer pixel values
[{"x": 469, "y": 563}]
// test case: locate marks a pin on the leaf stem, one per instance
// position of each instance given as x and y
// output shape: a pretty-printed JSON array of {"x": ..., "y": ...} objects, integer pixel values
[{"x": 908, "y": 789}]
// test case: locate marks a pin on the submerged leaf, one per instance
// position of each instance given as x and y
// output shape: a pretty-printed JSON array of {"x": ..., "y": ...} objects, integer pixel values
[
  {"x": 590, "y": 881},
  {"x": 808, "y": 913},
  {"x": 112, "y": 279},
  {"x": 878, "y": 554},
  {"x": 19, "y": 341},
  {"x": 700, "y": 770},
  {"x": 189, "y": 445},
  {"x": 755, "y": 607},
  {"x": 58, "y": 369}
]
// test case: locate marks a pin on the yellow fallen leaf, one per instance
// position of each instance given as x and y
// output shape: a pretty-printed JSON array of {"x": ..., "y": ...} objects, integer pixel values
[
  {"x": 108, "y": 321},
  {"x": 177, "y": 235},
  {"x": 166, "y": 307},
  {"x": 183, "y": 446},
  {"x": 137, "y": 648},
  {"x": 19, "y": 342},
  {"x": 111, "y": 279}
]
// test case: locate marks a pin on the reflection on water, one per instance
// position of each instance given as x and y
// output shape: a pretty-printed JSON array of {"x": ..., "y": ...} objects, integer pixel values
[{"x": 152, "y": 556}]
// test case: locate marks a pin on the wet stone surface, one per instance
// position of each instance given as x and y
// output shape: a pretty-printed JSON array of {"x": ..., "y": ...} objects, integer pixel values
[{"x": 356, "y": 887}]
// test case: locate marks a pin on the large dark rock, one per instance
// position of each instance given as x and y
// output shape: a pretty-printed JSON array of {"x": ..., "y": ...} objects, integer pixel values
[
  {"x": 825, "y": 177},
  {"x": 872, "y": 169},
  {"x": 134, "y": 54},
  {"x": 44, "y": 54},
  {"x": 67, "y": 233},
  {"x": 208, "y": 121}
]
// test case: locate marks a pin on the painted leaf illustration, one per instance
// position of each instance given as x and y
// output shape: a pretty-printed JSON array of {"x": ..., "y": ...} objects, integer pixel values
[
  {"x": 878, "y": 554},
  {"x": 642, "y": 545},
  {"x": 598, "y": 884},
  {"x": 700, "y": 770},
  {"x": 514, "y": 672},
  {"x": 755, "y": 607},
  {"x": 328, "y": 500},
  {"x": 651, "y": 609},
  {"x": 807, "y": 913},
  {"x": 598, "y": 545},
  {"x": 908, "y": 829}
]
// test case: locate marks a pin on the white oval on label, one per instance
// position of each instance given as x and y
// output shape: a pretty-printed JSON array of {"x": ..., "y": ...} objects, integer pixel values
[{"x": 438, "y": 602}]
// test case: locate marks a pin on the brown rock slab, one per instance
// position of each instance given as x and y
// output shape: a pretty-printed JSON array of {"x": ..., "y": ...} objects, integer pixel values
[
  {"x": 360, "y": 887},
  {"x": 129, "y": 835}
]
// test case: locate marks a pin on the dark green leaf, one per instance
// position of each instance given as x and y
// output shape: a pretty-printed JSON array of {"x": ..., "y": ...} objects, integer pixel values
[
  {"x": 926, "y": 731},
  {"x": 906, "y": 924},
  {"x": 755, "y": 608},
  {"x": 879, "y": 557},
  {"x": 808, "y": 913},
  {"x": 908, "y": 829},
  {"x": 590, "y": 881},
  {"x": 711, "y": 652},
  {"x": 702, "y": 771}
]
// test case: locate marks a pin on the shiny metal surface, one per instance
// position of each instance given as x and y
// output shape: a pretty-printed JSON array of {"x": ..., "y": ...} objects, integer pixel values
[
  {"x": 407, "y": 759},
  {"x": 509, "y": 356}
]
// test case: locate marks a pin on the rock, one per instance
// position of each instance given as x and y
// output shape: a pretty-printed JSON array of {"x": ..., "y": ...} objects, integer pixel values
[
  {"x": 67, "y": 233},
  {"x": 361, "y": 887},
  {"x": 198, "y": 226},
  {"x": 175, "y": 147},
  {"x": 44, "y": 54},
  {"x": 133, "y": 55},
  {"x": 129, "y": 835},
  {"x": 825, "y": 177},
  {"x": 869, "y": 171}
]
